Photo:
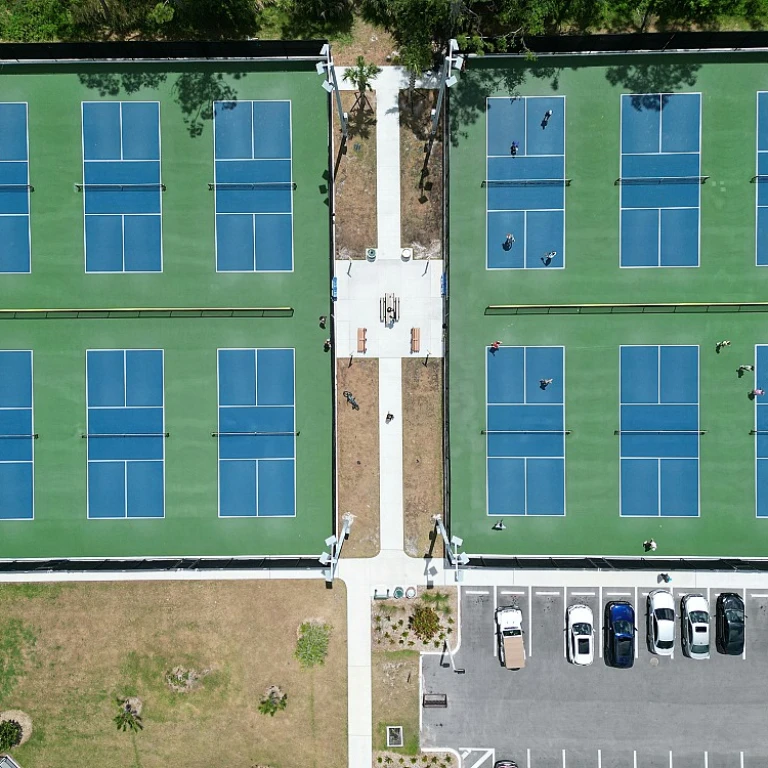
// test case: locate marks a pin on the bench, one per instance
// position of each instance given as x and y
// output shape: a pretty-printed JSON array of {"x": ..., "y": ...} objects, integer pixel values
[
  {"x": 434, "y": 700},
  {"x": 415, "y": 340},
  {"x": 362, "y": 340}
]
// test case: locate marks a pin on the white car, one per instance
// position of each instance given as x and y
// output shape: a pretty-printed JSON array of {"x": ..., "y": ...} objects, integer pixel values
[
  {"x": 661, "y": 622},
  {"x": 695, "y": 621},
  {"x": 580, "y": 635}
]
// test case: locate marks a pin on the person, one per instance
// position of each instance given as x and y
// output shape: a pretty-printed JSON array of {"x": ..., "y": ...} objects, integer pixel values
[
  {"x": 721, "y": 344},
  {"x": 495, "y": 346},
  {"x": 544, "y": 383},
  {"x": 744, "y": 368},
  {"x": 665, "y": 577},
  {"x": 389, "y": 417},
  {"x": 323, "y": 319},
  {"x": 756, "y": 392},
  {"x": 649, "y": 545},
  {"x": 327, "y": 345},
  {"x": 547, "y": 258},
  {"x": 513, "y": 149},
  {"x": 547, "y": 115},
  {"x": 507, "y": 244}
]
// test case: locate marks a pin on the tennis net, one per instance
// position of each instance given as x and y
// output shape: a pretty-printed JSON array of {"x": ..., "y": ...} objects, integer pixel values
[
  {"x": 525, "y": 431},
  {"x": 251, "y": 185},
  {"x": 526, "y": 183},
  {"x": 759, "y": 179},
  {"x": 255, "y": 434},
  {"x": 650, "y": 180},
  {"x": 660, "y": 432},
  {"x": 16, "y": 188},
  {"x": 119, "y": 187},
  {"x": 625, "y": 309},
  {"x": 92, "y": 435}
]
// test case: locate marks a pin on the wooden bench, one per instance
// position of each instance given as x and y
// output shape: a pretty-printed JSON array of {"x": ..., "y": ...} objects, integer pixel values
[
  {"x": 434, "y": 700},
  {"x": 415, "y": 340},
  {"x": 362, "y": 340}
]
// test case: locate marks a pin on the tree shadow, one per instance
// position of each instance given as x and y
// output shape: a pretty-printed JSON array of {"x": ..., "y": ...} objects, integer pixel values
[
  {"x": 469, "y": 105},
  {"x": 648, "y": 79},
  {"x": 361, "y": 120},
  {"x": 115, "y": 83},
  {"x": 195, "y": 93}
]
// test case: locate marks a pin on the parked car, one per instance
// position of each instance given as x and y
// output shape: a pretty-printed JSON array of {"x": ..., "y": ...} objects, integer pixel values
[
  {"x": 580, "y": 635},
  {"x": 509, "y": 623},
  {"x": 729, "y": 624},
  {"x": 661, "y": 622},
  {"x": 505, "y": 764},
  {"x": 695, "y": 626},
  {"x": 619, "y": 634}
]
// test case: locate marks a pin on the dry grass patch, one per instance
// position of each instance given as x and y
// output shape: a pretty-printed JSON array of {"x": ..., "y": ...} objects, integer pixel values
[
  {"x": 421, "y": 177},
  {"x": 355, "y": 177},
  {"x": 368, "y": 40},
  {"x": 395, "y": 681},
  {"x": 358, "y": 454},
  {"x": 422, "y": 454},
  {"x": 85, "y": 647}
]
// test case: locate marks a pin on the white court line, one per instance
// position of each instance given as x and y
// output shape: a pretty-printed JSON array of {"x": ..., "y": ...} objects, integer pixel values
[
  {"x": 548, "y": 593},
  {"x": 590, "y": 594},
  {"x": 512, "y": 592},
  {"x": 476, "y": 592}
]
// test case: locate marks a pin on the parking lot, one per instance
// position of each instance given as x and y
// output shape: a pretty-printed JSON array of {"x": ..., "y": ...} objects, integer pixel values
[{"x": 663, "y": 713}]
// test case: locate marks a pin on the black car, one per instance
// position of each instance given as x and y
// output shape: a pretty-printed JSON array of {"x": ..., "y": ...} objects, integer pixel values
[
  {"x": 505, "y": 764},
  {"x": 619, "y": 634},
  {"x": 729, "y": 624}
]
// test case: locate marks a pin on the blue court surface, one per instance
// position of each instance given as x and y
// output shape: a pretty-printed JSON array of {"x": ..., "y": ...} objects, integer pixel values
[
  {"x": 761, "y": 429},
  {"x": 659, "y": 432},
  {"x": 14, "y": 189},
  {"x": 525, "y": 431},
  {"x": 660, "y": 179},
  {"x": 16, "y": 436},
  {"x": 122, "y": 186},
  {"x": 257, "y": 433},
  {"x": 762, "y": 180},
  {"x": 525, "y": 192},
  {"x": 253, "y": 186},
  {"x": 126, "y": 433}
]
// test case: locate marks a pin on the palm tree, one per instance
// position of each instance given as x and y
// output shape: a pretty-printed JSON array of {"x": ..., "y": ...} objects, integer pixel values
[
  {"x": 127, "y": 718},
  {"x": 361, "y": 75}
]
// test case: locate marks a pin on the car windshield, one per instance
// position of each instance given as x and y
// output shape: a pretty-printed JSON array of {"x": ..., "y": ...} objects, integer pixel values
[
  {"x": 583, "y": 645},
  {"x": 699, "y": 617},
  {"x": 700, "y": 648},
  {"x": 622, "y": 627},
  {"x": 734, "y": 616},
  {"x": 582, "y": 628},
  {"x": 665, "y": 614},
  {"x": 665, "y": 644}
]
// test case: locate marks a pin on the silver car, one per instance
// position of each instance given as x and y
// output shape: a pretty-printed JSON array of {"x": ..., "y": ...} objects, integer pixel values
[{"x": 695, "y": 626}]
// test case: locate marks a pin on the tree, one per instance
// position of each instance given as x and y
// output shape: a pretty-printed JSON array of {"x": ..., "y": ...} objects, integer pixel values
[
  {"x": 128, "y": 719},
  {"x": 361, "y": 75},
  {"x": 10, "y": 734}
]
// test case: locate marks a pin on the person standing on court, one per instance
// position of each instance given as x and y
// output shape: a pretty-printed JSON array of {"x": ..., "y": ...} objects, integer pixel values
[
  {"x": 544, "y": 383},
  {"x": 547, "y": 258},
  {"x": 756, "y": 393},
  {"x": 495, "y": 346},
  {"x": 545, "y": 121},
  {"x": 507, "y": 244},
  {"x": 742, "y": 369},
  {"x": 721, "y": 344},
  {"x": 513, "y": 148}
]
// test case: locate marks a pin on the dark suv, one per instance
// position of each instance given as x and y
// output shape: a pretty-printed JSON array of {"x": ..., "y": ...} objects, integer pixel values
[
  {"x": 619, "y": 634},
  {"x": 729, "y": 624}
]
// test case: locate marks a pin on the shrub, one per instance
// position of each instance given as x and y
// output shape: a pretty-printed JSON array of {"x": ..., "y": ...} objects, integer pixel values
[
  {"x": 424, "y": 622},
  {"x": 127, "y": 719},
  {"x": 312, "y": 646},
  {"x": 10, "y": 734},
  {"x": 273, "y": 702}
]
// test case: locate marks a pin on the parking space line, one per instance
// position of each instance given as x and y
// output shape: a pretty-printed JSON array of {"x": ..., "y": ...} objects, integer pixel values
[
  {"x": 755, "y": 594},
  {"x": 741, "y": 758},
  {"x": 488, "y": 753},
  {"x": 617, "y": 594},
  {"x": 634, "y": 758},
  {"x": 512, "y": 592},
  {"x": 589, "y": 594},
  {"x": 599, "y": 758},
  {"x": 476, "y": 592},
  {"x": 600, "y": 627},
  {"x": 549, "y": 593},
  {"x": 565, "y": 623},
  {"x": 636, "y": 606},
  {"x": 744, "y": 646},
  {"x": 528, "y": 758},
  {"x": 670, "y": 758},
  {"x": 495, "y": 629},
  {"x": 530, "y": 637},
  {"x": 706, "y": 760},
  {"x": 563, "y": 758}
]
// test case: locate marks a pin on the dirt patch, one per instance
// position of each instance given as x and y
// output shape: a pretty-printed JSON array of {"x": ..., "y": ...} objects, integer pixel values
[
  {"x": 100, "y": 642},
  {"x": 358, "y": 454},
  {"x": 368, "y": 40},
  {"x": 422, "y": 455},
  {"x": 23, "y": 719},
  {"x": 183, "y": 680},
  {"x": 391, "y": 627},
  {"x": 355, "y": 177},
  {"x": 421, "y": 175},
  {"x": 395, "y": 691}
]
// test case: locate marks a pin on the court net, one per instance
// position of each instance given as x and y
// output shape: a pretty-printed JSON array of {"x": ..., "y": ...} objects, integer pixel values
[
  {"x": 31, "y": 436},
  {"x": 92, "y": 435},
  {"x": 251, "y": 185},
  {"x": 526, "y": 183},
  {"x": 759, "y": 179},
  {"x": 650, "y": 180},
  {"x": 625, "y": 309},
  {"x": 119, "y": 187},
  {"x": 255, "y": 434},
  {"x": 145, "y": 312},
  {"x": 525, "y": 431},
  {"x": 660, "y": 432},
  {"x": 16, "y": 188}
]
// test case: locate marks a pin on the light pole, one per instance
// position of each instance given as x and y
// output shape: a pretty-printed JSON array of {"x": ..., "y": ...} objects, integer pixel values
[
  {"x": 331, "y": 84},
  {"x": 447, "y": 80},
  {"x": 452, "y": 546},
  {"x": 335, "y": 544}
]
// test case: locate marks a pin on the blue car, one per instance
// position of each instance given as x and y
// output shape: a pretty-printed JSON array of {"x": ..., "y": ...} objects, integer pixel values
[{"x": 619, "y": 634}]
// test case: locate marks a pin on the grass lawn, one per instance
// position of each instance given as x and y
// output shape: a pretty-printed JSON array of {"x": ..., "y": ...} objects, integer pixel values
[
  {"x": 396, "y": 698},
  {"x": 68, "y": 652}
]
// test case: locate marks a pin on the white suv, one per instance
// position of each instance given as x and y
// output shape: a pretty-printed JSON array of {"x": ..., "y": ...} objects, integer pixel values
[{"x": 661, "y": 622}]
